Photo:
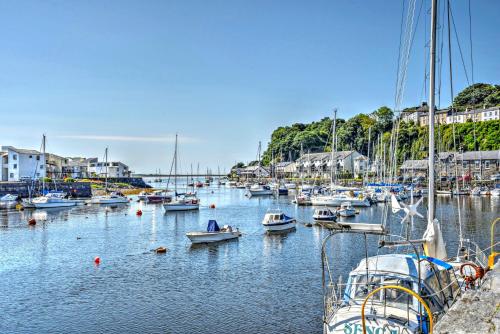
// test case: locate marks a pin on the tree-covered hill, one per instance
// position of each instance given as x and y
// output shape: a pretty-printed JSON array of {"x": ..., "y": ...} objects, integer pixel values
[{"x": 352, "y": 134}]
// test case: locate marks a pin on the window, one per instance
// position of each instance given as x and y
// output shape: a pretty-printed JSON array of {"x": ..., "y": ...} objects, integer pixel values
[
  {"x": 15, "y": 166},
  {"x": 41, "y": 166},
  {"x": 486, "y": 165},
  {"x": 464, "y": 165},
  {"x": 14, "y": 157},
  {"x": 477, "y": 164},
  {"x": 11, "y": 175},
  {"x": 38, "y": 158},
  {"x": 31, "y": 157}
]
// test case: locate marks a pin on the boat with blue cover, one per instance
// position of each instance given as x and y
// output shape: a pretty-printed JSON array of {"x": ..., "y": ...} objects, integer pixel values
[{"x": 214, "y": 233}]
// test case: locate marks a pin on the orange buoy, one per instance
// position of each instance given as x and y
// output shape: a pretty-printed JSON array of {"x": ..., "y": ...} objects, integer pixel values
[
  {"x": 97, "y": 260},
  {"x": 32, "y": 221},
  {"x": 212, "y": 206},
  {"x": 139, "y": 212}
]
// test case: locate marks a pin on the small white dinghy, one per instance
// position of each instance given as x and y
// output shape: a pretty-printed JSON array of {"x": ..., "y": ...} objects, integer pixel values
[
  {"x": 346, "y": 210},
  {"x": 276, "y": 220},
  {"x": 214, "y": 234}
]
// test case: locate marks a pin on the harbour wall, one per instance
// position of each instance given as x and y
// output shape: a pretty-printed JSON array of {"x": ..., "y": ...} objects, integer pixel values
[
  {"x": 75, "y": 189},
  {"x": 477, "y": 311}
]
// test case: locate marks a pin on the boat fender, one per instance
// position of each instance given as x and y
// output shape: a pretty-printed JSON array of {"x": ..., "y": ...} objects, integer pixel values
[
  {"x": 32, "y": 222},
  {"x": 97, "y": 260},
  {"x": 139, "y": 213}
]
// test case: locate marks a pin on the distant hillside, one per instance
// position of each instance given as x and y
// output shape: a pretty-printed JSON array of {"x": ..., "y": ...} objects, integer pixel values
[{"x": 352, "y": 134}]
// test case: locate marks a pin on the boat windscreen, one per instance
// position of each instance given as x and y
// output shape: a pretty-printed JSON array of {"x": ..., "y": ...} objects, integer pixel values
[{"x": 212, "y": 226}]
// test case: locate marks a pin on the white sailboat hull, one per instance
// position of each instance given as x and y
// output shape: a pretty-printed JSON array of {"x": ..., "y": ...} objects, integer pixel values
[
  {"x": 337, "y": 201},
  {"x": 46, "y": 205},
  {"x": 208, "y": 237},
  {"x": 180, "y": 207},
  {"x": 108, "y": 200},
  {"x": 263, "y": 192}
]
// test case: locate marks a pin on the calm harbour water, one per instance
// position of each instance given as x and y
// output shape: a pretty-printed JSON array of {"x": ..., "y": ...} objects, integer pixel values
[{"x": 258, "y": 284}]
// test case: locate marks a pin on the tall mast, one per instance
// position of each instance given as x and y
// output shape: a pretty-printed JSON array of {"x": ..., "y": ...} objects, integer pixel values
[
  {"x": 44, "y": 163},
  {"x": 175, "y": 166},
  {"x": 432, "y": 79},
  {"x": 332, "y": 173},
  {"x": 106, "y": 165},
  {"x": 258, "y": 171}
]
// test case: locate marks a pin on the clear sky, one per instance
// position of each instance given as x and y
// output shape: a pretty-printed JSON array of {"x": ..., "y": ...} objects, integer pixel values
[{"x": 223, "y": 74}]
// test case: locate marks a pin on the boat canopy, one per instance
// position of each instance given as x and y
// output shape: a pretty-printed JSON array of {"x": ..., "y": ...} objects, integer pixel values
[
  {"x": 212, "y": 226},
  {"x": 400, "y": 264}
]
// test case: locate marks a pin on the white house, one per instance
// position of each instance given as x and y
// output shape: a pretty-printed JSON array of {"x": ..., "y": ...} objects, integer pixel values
[
  {"x": 114, "y": 169},
  {"x": 319, "y": 165},
  {"x": 490, "y": 114},
  {"x": 20, "y": 164}
]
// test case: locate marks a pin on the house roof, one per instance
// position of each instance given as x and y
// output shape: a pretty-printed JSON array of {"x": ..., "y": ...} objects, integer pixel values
[
  {"x": 19, "y": 150},
  {"x": 478, "y": 155}
]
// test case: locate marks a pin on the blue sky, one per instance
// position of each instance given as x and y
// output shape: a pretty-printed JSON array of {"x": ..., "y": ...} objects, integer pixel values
[{"x": 223, "y": 74}]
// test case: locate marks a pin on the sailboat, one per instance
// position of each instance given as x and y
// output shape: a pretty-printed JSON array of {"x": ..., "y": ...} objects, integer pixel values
[
  {"x": 257, "y": 189},
  {"x": 397, "y": 293},
  {"x": 108, "y": 198},
  {"x": 181, "y": 202}
]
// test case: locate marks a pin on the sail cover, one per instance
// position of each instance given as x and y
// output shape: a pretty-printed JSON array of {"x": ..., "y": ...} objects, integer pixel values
[
  {"x": 212, "y": 226},
  {"x": 434, "y": 245}
]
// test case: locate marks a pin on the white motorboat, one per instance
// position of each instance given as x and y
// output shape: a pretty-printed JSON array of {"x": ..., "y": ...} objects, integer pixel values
[
  {"x": 276, "y": 220},
  {"x": 112, "y": 198},
  {"x": 214, "y": 234},
  {"x": 338, "y": 199},
  {"x": 324, "y": 214},
  {"x": 8, "y": 201},
  {"x": 53, "y": 200},
  {"x": 258, "y": 190},
  {"x": 346, "y": 210}
]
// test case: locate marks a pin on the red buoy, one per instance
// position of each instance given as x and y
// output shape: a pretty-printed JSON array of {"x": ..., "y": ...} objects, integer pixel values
[
  {"x": 32, "y": 221},
  {"x": 139, "y": 212},
  {"x": 212, "y": 206},
  {"x": 97, "y": 260}
]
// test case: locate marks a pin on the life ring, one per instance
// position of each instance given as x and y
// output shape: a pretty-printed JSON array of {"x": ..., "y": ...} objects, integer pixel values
[{"x": 469, "y": 279}]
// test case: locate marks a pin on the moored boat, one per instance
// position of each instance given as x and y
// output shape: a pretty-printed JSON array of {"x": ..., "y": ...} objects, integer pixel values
[
  {"x": 276, "y": 220},
  {"x": 214, "y": 233},
  {"x": 258, "y": 190},
  {"x": 8, "y": 201},
  {"x": 324, "y": 214},
  {"x": 346, "y": 210},
  {"x": 53, "y": 200},
  {"x": 111, "y": 198}
]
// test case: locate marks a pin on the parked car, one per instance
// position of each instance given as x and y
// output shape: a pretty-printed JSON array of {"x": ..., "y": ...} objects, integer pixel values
[{"x": 495, "y": 177}]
